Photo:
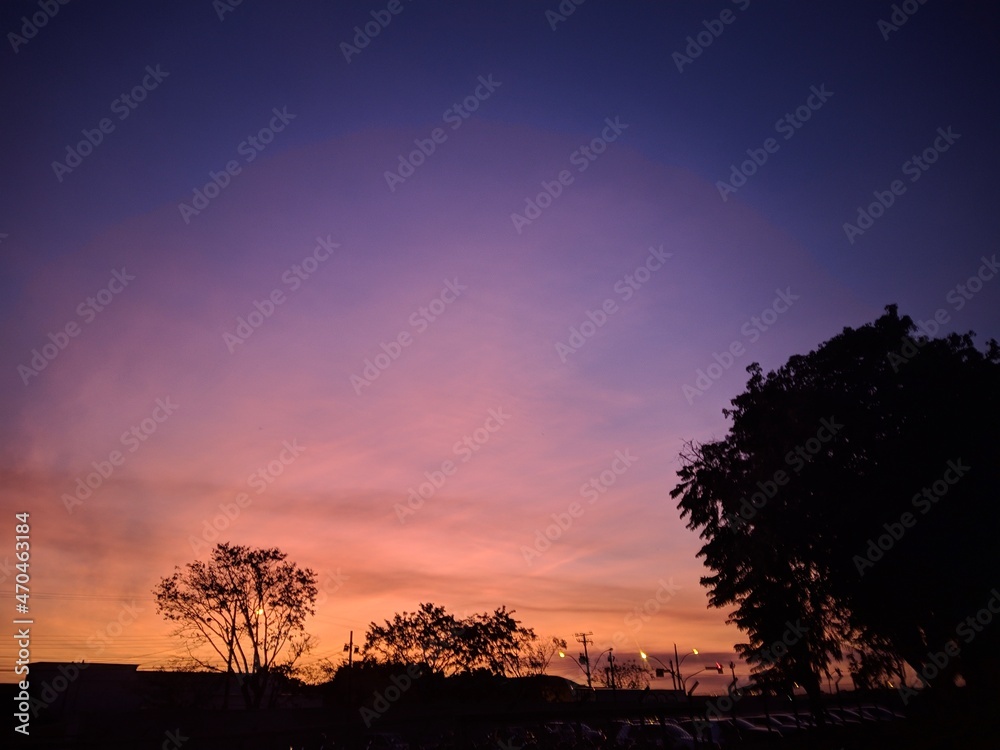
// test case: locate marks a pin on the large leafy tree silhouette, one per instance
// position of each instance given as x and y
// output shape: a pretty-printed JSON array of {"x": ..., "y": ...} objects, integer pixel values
[{"x": 851, "y": 510}]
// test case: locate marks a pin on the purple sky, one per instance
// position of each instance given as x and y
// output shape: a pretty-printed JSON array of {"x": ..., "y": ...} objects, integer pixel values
[{"x": 461, "y": 309}]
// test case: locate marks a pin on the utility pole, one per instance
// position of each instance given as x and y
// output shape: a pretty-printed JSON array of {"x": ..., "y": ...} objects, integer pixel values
[
  {"x": 351, "y": 649},
  {"x": 582, "y": 638}
]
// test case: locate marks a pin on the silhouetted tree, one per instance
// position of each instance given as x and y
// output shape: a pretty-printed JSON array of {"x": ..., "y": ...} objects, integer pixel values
[
  {"x": 628, "y": 675},
  {"x": 494, "y": 642},
  {"x": 535, "y": 654},
  {"x": 428, "y": 637},
  {"x": 246, "y": 605},
  {"x": 435, "y": 639},
  {"x": 802, "y": 506}
]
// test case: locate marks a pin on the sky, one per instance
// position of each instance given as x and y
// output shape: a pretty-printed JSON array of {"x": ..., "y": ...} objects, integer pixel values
[{"x": 432, "y": 295}]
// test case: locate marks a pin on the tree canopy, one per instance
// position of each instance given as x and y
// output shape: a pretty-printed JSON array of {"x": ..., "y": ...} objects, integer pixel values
[
  {"x": 627, "y": 674},
  {"x": 851, "y": 509},
  {"x": 248, "y": 606},
  {"x": 442, "y": 643}
]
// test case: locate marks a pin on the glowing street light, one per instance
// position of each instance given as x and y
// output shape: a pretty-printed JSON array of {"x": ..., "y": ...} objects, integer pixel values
[
  {"x": 582, "y": 660},
  {"x": 667, "y": 668},
  {"x": 673, "y": 668},
  {"x": 678, "y": 662}
]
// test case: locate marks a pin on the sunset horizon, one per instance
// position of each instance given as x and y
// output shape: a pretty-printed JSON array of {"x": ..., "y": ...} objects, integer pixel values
[{"x": 471, "y": 306}]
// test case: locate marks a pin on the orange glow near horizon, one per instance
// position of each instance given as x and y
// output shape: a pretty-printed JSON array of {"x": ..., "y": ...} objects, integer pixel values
[{"x": 470, "y": 467}]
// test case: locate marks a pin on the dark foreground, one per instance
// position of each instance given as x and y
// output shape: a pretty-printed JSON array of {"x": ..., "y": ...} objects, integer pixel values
[{"x": 554, "y": 726}]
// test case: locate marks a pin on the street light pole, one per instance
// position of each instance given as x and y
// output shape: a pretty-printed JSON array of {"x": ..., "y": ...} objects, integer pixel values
[
  {"x": 679, "y": 661},
  {"x": 667, "y": 667},
  {"x": 578, "y": 662},
  {"x": 611, "y": 664}
]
